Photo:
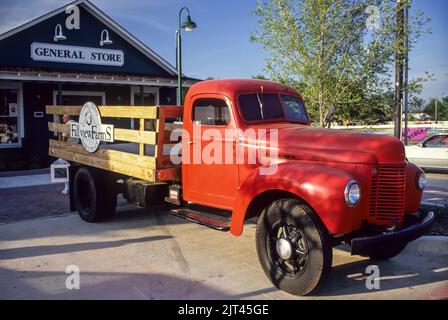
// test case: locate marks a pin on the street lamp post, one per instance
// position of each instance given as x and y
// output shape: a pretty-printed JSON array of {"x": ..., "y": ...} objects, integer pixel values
[{"x": 187, "y": 25}]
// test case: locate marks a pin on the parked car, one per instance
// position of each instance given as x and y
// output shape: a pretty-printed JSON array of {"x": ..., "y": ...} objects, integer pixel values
[{"x": 432, "y": 153}]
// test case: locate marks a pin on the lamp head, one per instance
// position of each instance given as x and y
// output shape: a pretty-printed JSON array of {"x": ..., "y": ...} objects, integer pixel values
[{"x": 188, "y": 25}]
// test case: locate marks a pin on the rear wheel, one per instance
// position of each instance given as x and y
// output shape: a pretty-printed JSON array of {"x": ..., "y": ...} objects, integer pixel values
[
  {"x": 293, "y": 247},
  {"x": 94, "y": 199}
]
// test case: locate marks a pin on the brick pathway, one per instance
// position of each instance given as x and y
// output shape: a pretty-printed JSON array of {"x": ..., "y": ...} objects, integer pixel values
[{"x": 32, "y": 202}]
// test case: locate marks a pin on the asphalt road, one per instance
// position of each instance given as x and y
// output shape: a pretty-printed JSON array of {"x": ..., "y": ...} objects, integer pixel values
[{"x": 436, "y": 191}]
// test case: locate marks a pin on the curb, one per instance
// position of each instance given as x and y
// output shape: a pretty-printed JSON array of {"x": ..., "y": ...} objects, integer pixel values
[
  {"x": 24, "y": 173},
  {"x": 433, "y": 244},
  {"x": 434, "y": 204}
]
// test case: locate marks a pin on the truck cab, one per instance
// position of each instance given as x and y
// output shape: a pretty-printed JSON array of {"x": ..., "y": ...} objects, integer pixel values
[{"x": 248, "y": 150}]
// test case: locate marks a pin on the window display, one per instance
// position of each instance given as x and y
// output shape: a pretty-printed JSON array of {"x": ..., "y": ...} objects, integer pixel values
[{"x": 9, "y": 116}]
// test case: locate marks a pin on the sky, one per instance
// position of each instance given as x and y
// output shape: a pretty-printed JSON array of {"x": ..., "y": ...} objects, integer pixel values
[{"x": 220, "y": 46}]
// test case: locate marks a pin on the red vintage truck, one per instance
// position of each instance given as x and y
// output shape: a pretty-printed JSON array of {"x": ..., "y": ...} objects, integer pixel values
[{"x": 310, "y": 189}]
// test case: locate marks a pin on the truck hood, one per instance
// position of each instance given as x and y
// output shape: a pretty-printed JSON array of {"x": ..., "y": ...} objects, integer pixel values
[{"x": 301, "y": 142}]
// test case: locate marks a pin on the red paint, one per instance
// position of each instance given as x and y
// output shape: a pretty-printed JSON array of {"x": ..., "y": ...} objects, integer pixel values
[{"x": 316, "y": 166}]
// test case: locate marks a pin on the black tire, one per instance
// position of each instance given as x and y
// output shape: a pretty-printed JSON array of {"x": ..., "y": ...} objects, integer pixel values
[
  {"x": 311, "y": 247},
  {"x": 386, "y": 252},
  {"x": 94, "y": 199}
]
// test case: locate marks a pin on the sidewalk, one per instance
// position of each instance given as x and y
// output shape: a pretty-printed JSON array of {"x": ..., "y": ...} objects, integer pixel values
[{"x": 25, "y": 181}]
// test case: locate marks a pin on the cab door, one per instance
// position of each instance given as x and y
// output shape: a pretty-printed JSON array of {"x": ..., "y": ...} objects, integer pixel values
[{"x": 209, "y": 179}]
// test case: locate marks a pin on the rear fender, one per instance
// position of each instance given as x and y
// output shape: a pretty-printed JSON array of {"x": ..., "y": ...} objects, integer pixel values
[{"x": 319, "y": 186}]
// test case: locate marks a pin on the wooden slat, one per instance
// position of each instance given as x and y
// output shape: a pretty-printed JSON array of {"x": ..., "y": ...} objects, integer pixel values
[
  {"x": 143, "y": 112},
  {"x": 147, "y": 137},
  {"x": 106, "y": 164},
  {"x": 58, "y": 127},
  {"x": 142, "y": 145},
  {"x": 133, "y": 160}
]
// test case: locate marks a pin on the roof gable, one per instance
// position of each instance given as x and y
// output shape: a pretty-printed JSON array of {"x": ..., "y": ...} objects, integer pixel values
[{"x": 16, "y": 44}]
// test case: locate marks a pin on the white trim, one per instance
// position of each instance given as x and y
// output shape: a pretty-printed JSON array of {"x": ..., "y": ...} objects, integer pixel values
[
  {"x": 20, "y": 122},
  {"x": 76, "y": 78},
  {"x": 91, "y": 8}
]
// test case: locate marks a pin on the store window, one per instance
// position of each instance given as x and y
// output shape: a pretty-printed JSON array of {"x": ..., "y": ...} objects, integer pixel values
[{"x": 9, "y": 117}]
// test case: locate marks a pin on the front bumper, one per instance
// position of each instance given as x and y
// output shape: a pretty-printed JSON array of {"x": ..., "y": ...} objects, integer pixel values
[{"x": 362, "y": 245}]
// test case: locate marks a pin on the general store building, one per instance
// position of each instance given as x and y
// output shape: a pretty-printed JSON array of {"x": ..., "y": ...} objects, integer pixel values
[{"x": 49, "y": 61}]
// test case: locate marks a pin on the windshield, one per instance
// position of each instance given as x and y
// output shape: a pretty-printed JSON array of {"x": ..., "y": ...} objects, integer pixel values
[{"x": 271, "y": 106}]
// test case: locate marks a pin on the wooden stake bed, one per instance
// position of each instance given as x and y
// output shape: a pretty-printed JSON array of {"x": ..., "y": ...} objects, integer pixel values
[{"x": 142, "y": 153}]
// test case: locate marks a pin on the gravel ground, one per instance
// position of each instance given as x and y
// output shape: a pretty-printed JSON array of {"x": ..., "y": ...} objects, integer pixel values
[{"x": 440, "y": 226}]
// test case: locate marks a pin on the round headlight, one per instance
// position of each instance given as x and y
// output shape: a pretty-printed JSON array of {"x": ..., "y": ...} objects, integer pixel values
[
  {"x": 421, "y": 181},
  {"x": 352, "y": 193}
]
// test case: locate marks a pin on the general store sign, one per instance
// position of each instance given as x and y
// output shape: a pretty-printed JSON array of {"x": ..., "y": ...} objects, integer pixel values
[
  {"x": 90, "y": 129},
  {"x": 73, "y": 54}
]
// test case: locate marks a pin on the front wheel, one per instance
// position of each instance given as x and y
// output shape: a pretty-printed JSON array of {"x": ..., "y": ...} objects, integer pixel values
[{"x": 293, "y": 247}]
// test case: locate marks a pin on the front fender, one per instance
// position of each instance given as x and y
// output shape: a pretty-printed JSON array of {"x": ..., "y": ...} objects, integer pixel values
[{"x": 320, "y": 186}]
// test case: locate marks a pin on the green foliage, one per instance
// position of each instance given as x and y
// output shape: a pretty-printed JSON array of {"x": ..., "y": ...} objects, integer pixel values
[
  {"x": 327, "y": 50},
  {"x": 442, "y": 109},
  {"x": 260, "y": 77}
]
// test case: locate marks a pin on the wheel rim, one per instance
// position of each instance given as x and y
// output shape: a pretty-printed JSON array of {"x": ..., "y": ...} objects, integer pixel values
[
  {"x": 84, "y": 194},
  {"x": 288, "y": 248}
]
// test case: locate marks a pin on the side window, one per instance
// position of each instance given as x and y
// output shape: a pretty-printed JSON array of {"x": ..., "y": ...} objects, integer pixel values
[
  {"x": 211, "y": 112},
  {"x": 436, "y": 141}
]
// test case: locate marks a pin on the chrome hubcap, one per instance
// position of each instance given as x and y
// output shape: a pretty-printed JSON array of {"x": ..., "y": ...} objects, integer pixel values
[{"x": 284, "y": 248}]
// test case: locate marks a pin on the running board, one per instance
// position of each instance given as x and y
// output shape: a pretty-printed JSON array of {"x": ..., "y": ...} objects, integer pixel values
[{"x": 211, "y": 220}]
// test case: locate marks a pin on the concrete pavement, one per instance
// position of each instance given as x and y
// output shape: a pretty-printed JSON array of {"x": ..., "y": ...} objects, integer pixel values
[
  {"x": 436, "y": 191},
  {"x": 25, "y": 181},
  {"x": 148, "y": 254}
]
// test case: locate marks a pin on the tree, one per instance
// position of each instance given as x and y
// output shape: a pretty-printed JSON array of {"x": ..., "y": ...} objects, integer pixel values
[
  {"x": 416, "y": 104},
  {"x": 442, "y": 109},
  {"x": 336, "y": 53},
  {"x": 260, "y": 77}
]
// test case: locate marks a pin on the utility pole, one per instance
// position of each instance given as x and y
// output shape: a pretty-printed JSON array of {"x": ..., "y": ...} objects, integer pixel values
[
  {"x": 406, "y": 71},
  {"x": 399, "y": 68},
  {"x": 435, "y": 102}
]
